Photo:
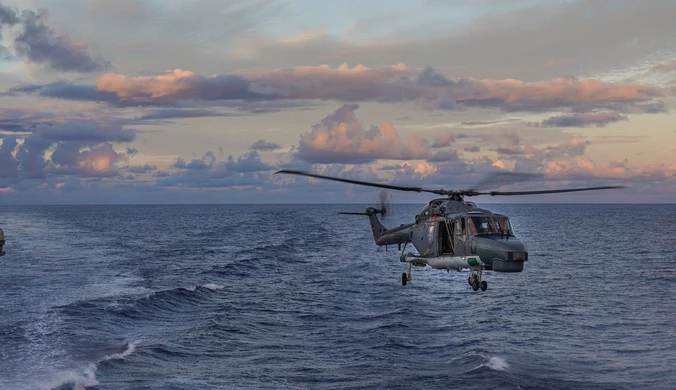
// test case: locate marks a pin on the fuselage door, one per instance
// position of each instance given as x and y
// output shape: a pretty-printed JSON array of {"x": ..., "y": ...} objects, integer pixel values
[{"x": 460, "y": 236}]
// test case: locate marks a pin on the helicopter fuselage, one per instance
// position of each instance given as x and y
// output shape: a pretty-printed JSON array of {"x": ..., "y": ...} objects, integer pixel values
[{"x": 450, "y": 228}]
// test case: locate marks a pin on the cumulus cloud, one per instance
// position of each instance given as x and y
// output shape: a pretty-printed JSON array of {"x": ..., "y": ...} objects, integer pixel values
[
  {"x": 8, "y": 17},
  {"x": 39, "y": 43},
  {"x": 443, "y": 140},
  {"x": 209, "y": 172},
  {"x": 72, "y": 160},
  {"x": 341, "y": 138},
  {"x": 74, "y": 147}
]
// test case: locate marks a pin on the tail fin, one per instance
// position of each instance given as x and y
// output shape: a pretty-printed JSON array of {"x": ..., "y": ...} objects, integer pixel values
[
  {"x": 383, "y": 236},
  {"x": 377, "y": 227}
]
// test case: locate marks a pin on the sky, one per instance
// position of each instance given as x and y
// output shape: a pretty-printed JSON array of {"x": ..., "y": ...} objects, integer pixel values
[{"x": 202, "y": 101}]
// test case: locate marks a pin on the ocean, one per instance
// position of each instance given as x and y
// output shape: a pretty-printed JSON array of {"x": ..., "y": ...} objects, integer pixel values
[{"x": 299, "y": 297}]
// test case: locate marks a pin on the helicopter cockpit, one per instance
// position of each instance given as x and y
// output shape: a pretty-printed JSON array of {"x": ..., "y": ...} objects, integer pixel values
[
  {"x": 503, "y": 225},
  {"x": 482, "y": 225},
  {"x": 496, "y": 224}
]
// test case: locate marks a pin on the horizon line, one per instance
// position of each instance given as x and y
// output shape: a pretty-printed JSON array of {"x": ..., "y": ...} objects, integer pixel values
[{"x": 321, "y": 203}]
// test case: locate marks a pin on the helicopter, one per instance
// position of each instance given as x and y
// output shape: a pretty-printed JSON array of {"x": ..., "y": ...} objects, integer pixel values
[{"x": 451, "y": 233}]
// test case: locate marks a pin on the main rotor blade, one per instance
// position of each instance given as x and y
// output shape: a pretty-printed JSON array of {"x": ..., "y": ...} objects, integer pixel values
[
  {"x": 494, "y": 193},
  {"x": 351, "y": 213},
  {"x": 364, "y": 183},
  {"x": 501, "y": 178}
]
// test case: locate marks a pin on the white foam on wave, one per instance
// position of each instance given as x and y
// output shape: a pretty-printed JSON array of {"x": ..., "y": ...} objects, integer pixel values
[
  {"x": 79, "y": 378},
  {"x": 213, "y": 286},
  {"x": 131, "y": 347},
  {"x": 497, "y": 363},
  {"x": 208, "y": 286}
]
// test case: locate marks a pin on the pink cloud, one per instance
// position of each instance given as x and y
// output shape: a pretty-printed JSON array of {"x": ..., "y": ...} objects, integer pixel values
[
  {"x": 341, "y": 138},
  {"x": 563, "y": 90},
  {"x": 397, "y": 83},
  {"x": 99, "y": 161},
  {"x": 443, "y": 140},
  {"x": 665, "y": 67}
]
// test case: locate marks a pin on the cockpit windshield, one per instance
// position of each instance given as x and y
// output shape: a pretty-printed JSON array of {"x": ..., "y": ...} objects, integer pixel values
[
  {"x": 482, "y": 225},
  {"x": 504, "y": 226},
  {"x": 490, "y": 225}
]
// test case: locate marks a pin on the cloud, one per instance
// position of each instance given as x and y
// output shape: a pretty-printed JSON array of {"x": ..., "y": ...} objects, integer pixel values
[
  {"x": 71, "y": 147},
  {"x": 444, "y": 155},
  {"x": 546, "y": 45},
  {"x": 263, "y": 145},
  {"x": 21, "y": 90},
  {"x": 8, "y": 17},
  {"x": 341, "y": 138},
  {"x": 486, "y": 123},
  {"x": 573, "y": 148},
  {"x": 180, "y": 114},
  {"x": 88, "y": 131},
  {"x": 516, "y": 95},
  {"x": 70, "y": 159},
  {"x": 139, "y": 169},
  {"x": 598, "y": 119},
  {"x": 22, "y": 120},
  {"x": 397, "y": 83},
  {"x": 443, "y": 140},
  {"x": 209, "y": 172},
  {"x": 668, "y": 66},
  {"x": 9, "y": 166},
  {"x": 40, "y": 44}
]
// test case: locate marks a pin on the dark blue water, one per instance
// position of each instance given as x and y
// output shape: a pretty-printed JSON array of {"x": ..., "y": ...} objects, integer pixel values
[{"x": 287, "y": 296}]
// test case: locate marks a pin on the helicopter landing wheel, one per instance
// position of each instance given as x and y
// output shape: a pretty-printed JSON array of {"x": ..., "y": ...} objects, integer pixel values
[
  {"x": 475, "y": 285},
  {"x": 484, "y": 285},
  {"x": 404, "y": 279}
]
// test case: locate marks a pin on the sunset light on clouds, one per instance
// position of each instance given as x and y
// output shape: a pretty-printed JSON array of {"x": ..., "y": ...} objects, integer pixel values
[{"x": 202, "y": 101}]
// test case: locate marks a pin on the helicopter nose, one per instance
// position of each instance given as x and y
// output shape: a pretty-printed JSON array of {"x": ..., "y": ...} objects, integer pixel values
[{"x": 502, "y": 255}]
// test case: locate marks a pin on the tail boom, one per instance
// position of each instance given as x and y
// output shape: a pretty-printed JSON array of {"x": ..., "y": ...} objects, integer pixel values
[{"x": 384, "y": 236}]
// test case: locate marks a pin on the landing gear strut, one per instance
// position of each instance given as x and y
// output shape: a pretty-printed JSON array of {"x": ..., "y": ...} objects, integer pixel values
[
  {"x": 404, "y": 277},
  {"x": 476, "y": 282}
]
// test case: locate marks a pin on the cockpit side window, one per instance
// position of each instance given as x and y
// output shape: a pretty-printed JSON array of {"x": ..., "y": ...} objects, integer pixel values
[{"x": 461, "y": 228}]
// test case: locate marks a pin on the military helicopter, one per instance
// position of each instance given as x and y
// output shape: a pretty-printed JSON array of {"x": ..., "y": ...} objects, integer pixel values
[{"x": 451, "y": 233}]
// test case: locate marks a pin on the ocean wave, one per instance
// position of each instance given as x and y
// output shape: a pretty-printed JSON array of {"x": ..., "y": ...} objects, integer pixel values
[{"x": 78, "y": 378}]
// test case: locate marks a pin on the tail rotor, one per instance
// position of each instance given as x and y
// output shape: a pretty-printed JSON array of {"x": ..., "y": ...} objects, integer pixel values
[{"x": 383, "y": 203}]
